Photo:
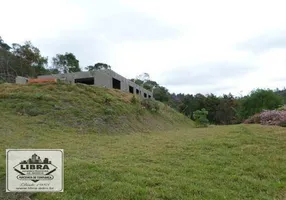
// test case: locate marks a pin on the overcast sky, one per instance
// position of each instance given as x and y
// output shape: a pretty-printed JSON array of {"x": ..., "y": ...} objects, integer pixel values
[{"x": 188, "y": 46}]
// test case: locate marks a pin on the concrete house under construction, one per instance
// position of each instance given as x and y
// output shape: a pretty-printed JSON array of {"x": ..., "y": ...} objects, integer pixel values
[{"x": 103, "y": 78}]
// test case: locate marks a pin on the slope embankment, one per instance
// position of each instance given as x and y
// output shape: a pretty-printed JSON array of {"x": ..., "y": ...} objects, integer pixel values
[{"x": 87, "y": 108}]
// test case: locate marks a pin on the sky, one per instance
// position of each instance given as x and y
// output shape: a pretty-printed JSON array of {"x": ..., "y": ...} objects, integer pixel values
[{"x": 188, "y": 46}]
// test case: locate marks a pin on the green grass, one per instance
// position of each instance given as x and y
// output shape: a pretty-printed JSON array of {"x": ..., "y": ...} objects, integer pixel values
[
  {"x": 218, "y": 162},
  {"x": 86, "y": 107},
  {"x": 226, "y": 162}
]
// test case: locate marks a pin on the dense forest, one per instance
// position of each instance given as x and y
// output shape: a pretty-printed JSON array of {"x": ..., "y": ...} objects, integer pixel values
[
  {"x": 26, "y": 60},
  {"x": 225, "y": 109}
]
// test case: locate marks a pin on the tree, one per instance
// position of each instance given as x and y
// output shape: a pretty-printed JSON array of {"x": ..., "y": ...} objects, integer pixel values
[
  {"x": 186, "y": 106},
  {"x": 257, "y": 101},
  {"x": 226, "y": 110},
  {"x": 137, "y": 81},
  {"x": 211, "y": 104},
  {"x": 190, "y": 104},
  {"x": 3, "y": 45},
  {"x": 98, "y": 66},
  {"x": 144, "y": 81},
  {"x": 282, "y": 93},
  {"x": 53, "y": 71},
  {"x": 31, "y": 57},
  {"x": 175, "y": 101},
  {"x": 66, "y": 63},
  {"x": 162, "y": 94},
  {"x": 150, "y": 85},
  {"x": 29, "y": 53},
  {"x": 143, "y": 77},
  {"x": 200, "y": 117}
]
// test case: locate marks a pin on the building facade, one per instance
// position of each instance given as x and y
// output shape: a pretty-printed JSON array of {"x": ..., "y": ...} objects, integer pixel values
[{"x": 102, "y": 78}]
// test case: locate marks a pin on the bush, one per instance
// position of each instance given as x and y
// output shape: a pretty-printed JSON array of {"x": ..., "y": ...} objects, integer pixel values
[
  {"x": 39, "y": 96},
  {"x": 255, "y": 119},
  {"x": 272, "y": 117},
  {"x": 107, "y": 99},
  {"x": 283, "y": 124},
  {"x": 200, "y": 117},
  {"x": 268, "y": 117},
  {"x": 282, "y": 108},
  {"x": 134, "y": 100},
  {"x": 150, "y": 105}
]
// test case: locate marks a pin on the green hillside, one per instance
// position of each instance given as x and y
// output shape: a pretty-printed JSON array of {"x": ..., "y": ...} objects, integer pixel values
[{"x": 88, "y": 108}]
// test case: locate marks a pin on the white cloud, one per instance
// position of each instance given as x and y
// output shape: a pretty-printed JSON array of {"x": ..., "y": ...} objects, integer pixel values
[
  {"x": 32, "y": 19},
  {"x": 163, "y": 36}
]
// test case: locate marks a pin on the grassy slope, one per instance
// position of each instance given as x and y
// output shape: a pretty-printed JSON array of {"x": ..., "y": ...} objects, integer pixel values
[
  {"x": 221, "y": 162},
  {"x": 85, "y": 108}
]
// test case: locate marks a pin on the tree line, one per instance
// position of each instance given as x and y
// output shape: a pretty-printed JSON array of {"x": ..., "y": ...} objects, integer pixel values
[
  {"x": 27, "y": 60},
  {"x": 222, "y": 110}
]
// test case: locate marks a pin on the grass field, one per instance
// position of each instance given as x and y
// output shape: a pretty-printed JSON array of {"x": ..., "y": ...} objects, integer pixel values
[
  {"x": 223, "y": 162},
  {"x": 119, "y": 150}
]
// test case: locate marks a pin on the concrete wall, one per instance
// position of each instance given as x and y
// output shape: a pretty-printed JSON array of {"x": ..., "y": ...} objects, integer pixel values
[
  {"x": 21, "y": 80},
  {"x": 102, "y": 78}
]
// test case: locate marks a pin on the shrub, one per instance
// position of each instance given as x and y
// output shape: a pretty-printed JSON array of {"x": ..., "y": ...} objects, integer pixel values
[
  {"x": 134, "y": 100},
  {"x": 282, "y": 108},
  {"x": 272, "y": 117},
  {"x": 255, "y": 119},
  {"x": 283, "y": 124},
  {"x": 150, "y": 105},
  {"x": 200, "y": 117},
  {"x": 39, "y": 96},
  {"x": 107, "y": 99}
]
